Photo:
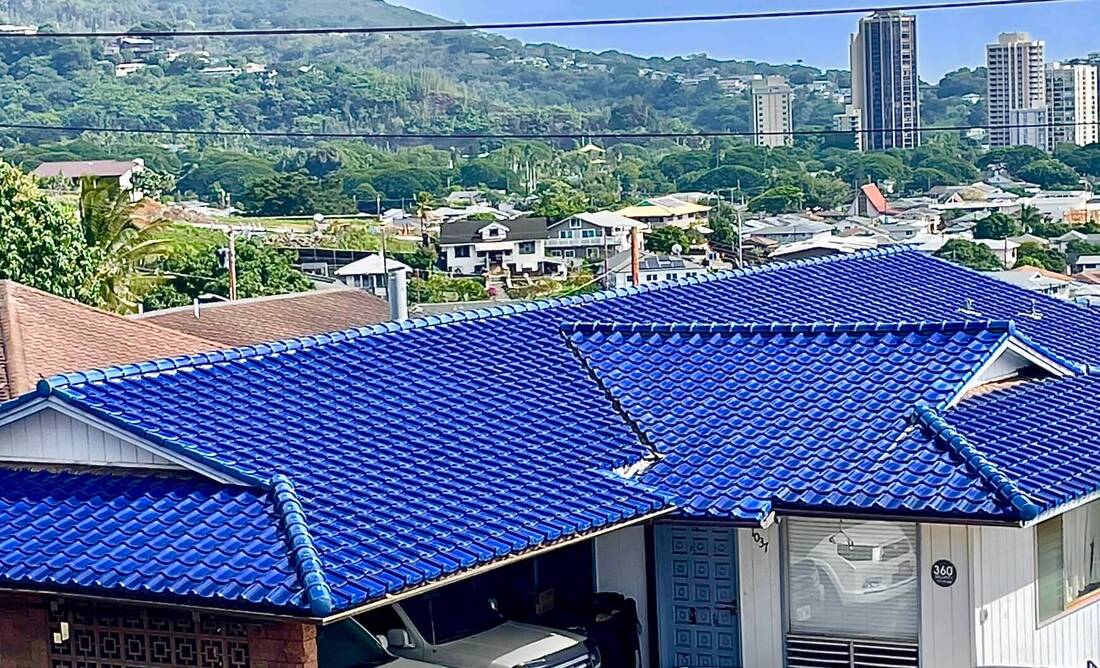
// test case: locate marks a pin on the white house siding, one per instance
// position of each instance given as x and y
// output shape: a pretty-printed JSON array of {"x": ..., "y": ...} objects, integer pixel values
[
  {"x": 946, "y": 620},
  {"x": 761, "y": 605},
  {"x": 621, "y": 567},
  {"x": 1003, "y": 563},
  {"x": 51, "y": 437}
]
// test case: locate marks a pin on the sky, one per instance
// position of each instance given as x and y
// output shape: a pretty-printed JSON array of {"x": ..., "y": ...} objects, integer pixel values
[{"x": 947, "y": 39}]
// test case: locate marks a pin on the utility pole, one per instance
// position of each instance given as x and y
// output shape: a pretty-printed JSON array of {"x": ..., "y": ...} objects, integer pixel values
[
  {"x": 382, "y": 231},
  {"x": 635, "y": 258},
  {"x": 231, "y": 263}
]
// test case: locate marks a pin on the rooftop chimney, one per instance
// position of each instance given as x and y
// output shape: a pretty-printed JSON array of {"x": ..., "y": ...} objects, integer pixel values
[{"x": 398, "y": 295}]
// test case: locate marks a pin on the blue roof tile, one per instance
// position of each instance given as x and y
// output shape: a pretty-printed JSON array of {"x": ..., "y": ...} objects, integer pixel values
[
  {"x": 418, "y": 450},
  {"x": 751, "y": 418}
]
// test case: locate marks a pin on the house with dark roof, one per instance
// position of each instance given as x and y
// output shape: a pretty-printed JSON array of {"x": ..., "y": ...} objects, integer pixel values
[
  {"x": 117, "y": 172},
  {"x": 877, "y": 459},
  {"x": 473, "y": 247},
  {"x": 246, "y": 322}
]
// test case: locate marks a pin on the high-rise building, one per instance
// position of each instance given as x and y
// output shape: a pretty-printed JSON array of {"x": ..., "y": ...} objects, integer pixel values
[
  {"x": 851, "y": 120},
  {"x": 1071, "y": 91},
  {"x": 885, "y": 87},
  {"x": 771, "y": 112},
  {"x": 1028, "y": 127},
  {"x": 1016, "y": 82}
]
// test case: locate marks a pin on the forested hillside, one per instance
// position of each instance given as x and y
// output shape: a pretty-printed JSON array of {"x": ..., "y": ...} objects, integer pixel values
[{"x": 391, "y": 82}]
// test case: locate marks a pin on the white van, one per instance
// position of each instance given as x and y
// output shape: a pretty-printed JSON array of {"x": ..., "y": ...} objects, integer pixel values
[{"x": 454, "y": 627}]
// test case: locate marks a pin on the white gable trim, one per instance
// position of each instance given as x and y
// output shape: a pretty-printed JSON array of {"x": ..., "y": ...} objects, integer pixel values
[
  {"x": 160, "y": 457},
  {"x": 1006, "y": 362}
]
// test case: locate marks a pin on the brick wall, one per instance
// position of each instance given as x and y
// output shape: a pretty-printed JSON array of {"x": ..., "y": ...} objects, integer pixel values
[
  {"x": 24, "y": 632},
  {"x": 282, "y": 645}
]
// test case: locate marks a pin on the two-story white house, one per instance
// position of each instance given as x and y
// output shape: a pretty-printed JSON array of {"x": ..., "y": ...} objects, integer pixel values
[
  {"x": 473, "y": 247},
  {"x": 592, "y": 236}
]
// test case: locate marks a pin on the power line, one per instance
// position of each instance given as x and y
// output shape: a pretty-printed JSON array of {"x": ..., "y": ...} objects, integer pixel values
[
  {"x": 396, "y": 136},
  {"x": 527, "y": 25}
]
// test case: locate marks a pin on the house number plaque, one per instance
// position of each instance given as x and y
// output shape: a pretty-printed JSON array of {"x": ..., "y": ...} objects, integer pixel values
[{"x": 944, "y": 573}]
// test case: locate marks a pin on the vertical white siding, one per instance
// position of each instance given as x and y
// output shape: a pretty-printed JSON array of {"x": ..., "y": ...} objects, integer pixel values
[
  {"x": 946, "y": 619},
  {"x": 51, "y": 437},
  {"x": 1003, "y": 562},
  {"x": 621, "y": 566},
  {"x": 761, "y": 605}
]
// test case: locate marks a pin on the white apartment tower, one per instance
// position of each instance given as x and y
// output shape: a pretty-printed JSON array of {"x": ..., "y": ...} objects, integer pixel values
[
  {"x": 1071, "y": 91},
  {"x": 1016, "y": 87},
  {"x": 771, "y": 112},
  {"x": 885, "y": 87},
  {"x": 850, "y": 120}
]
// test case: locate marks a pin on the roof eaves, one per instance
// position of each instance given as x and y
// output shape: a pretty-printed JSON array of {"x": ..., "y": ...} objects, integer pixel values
[
  {"x": 307, "y": 561},
  {"x": 942, "y": 431},
  {"x": 301, "y": 343}
]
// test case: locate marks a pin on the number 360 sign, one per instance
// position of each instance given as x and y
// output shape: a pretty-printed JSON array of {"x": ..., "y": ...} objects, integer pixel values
[{"x": 944, "y": 573}]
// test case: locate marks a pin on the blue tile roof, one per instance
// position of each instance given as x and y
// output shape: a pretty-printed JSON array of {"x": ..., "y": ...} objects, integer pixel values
[
  {"x": 748, "y": 418},
  {"x": 145, "y": 536},
  {"x": 1041, "y": 435},
  {"x": 423, "y": 449}
]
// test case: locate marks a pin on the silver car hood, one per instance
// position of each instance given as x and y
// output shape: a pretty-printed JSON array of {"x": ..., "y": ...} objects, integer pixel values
[{"x": 507, "y": 645}]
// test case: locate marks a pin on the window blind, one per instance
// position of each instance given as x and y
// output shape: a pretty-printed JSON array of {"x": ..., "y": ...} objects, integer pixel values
[
  {"x": 852, "y": 579},
  {"x": 1051, "y": 585}
]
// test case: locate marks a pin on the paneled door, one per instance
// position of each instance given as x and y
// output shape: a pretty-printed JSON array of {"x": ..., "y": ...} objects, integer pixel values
[{"x": 697, "y": 598}]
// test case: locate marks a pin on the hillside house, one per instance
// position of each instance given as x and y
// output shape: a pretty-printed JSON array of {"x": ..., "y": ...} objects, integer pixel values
[
  {"x": 1004, "y": 249},
  {"x": 659, "y": 212},
  {"x": 119, "y": 173},
  {"x": 652, "y": 268},
  {"x": 881, "y": 459},
  {"x": 474, "y": 247},
  {"x": 870, "y": 202},
  {"x": 592, "y": 236},
  {"x": 371, "y": 273}
]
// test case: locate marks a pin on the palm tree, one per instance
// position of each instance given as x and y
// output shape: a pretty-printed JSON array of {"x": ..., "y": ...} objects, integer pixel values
[
  {"x": 127, "y": 249},
  {"x": 1030, "y": 218}
]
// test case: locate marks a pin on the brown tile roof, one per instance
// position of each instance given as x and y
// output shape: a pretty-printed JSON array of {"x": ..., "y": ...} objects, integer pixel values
[
  {"x": 43, "y": 335},
  {"x": 264, "y": 319}
]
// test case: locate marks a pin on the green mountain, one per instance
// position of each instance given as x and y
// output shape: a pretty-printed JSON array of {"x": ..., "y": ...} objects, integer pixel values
[{"x": 397, "y": 82}]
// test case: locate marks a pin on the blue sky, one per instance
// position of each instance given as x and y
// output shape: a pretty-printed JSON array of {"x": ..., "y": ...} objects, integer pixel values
[{"x": 948, "y": 39}]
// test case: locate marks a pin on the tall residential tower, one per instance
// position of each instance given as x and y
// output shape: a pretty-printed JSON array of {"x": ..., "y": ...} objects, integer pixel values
[
  {"x": 771, "y": 112},
  {"x": 1017, "y": 90},
  {"x": 885, "y": 87},
  {"x": 1072, "y": 104}
]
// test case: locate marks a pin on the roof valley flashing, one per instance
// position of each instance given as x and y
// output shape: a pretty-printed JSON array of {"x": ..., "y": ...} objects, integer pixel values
[{"x": 499, "y": 443}]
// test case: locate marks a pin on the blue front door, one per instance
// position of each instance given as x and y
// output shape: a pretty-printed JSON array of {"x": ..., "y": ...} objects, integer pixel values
[{"x": 697, "y": 596}]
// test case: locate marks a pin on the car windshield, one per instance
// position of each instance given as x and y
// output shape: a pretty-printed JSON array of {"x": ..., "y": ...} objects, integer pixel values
[
  {"x": 346, "y": 644},
  {"x": 453, "y": 613}
]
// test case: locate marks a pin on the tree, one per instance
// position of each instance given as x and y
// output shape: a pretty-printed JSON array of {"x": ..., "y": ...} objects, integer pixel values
[
  {"x": 296, "y": 194},
  {"x": 127, "y": 250},
  {"x": 559, "y": 200},
  {"x": 153, "y": 184},
  {"x": 724, "y": 178},
  {"x": 42, "y": 244},
  {"x": 194, "y": 269},
  {"x": 663, "y": 239},
  {"x": 1037, "y": 255},
  {"x": 439, "y": 288},
  {"x": 1031, "y": 220},
  {"x": 969, "y": 254},
  {"x": 1014, "y": 158},
  {"x": 781, "y": 199},
  {"x": 963, "y": 81},
  {"x": 483, "y": 173},
  {"x": 1051, "y": 174},
  {"x": 997, "y": 226}
]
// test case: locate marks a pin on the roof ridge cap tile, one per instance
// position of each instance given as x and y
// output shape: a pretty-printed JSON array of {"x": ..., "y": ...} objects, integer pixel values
[
  {"x": 302, "y": 343},
  {"x": 1080, "y": 368},
  {"x": 956, "y": 442},
  {"x": 306, "y": 559},
  {"x": 902, "y": 326}
]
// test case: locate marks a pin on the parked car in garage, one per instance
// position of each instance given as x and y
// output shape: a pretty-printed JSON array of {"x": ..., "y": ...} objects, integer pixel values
[
  {"x": 347, "y": 644},
  {"x": 460, "y": 627}
]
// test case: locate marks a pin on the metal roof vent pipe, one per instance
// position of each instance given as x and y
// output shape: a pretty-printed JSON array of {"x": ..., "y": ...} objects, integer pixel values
[{"x": 398, "y": 294}]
